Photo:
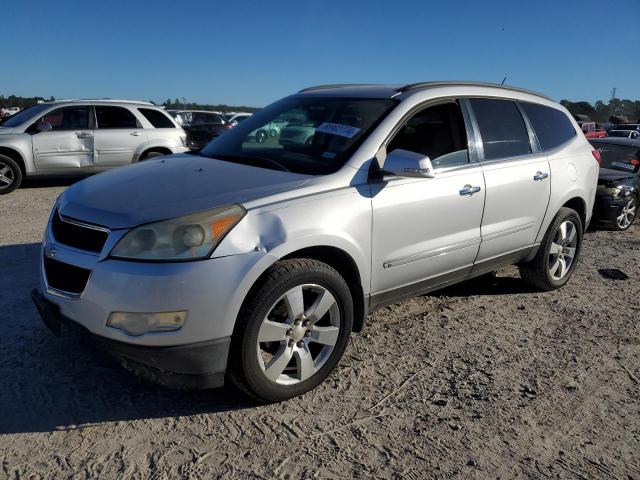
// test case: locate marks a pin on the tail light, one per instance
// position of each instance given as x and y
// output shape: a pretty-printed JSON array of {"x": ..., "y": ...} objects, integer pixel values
[
  {"x": 635, "y": 162},
  {"x": 597, "y": 156}
]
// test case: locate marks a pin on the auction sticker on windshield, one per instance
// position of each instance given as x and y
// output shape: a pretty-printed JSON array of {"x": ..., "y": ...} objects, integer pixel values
[{"x": 338, "y": 129}]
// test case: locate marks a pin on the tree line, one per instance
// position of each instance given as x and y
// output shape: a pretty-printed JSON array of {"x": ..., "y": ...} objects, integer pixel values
[
  {"x": 625, "y": 110},
  {"x": 25, "y": 102},
  {"x": 616, "y": 109}
]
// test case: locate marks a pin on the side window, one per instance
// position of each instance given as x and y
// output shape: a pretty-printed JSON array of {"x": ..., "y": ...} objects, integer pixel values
[
  {"x": 200, "y": 118},
  {"x": 156, "y": 118},
  {"x": 436, "y": 131},
  {"x": 67, "y": 118},
  {"x": 115, "y": 117},
  {"x": 551, "y": 125},
  {"x": 504, "y": 133}
]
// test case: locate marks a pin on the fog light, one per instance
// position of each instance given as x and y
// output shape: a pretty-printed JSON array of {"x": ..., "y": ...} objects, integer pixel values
[{"x": 136, "y": 324}]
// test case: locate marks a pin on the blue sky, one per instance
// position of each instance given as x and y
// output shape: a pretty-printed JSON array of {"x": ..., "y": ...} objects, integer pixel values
[{"x": 252, "y": 53}]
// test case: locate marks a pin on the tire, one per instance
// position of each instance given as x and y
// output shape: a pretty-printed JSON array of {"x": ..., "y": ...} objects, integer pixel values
[
  {"x": 254, "y": 365},
  {"x": 10, "y": 175},
  {"x": 261, "y": 136},
  {"x": 627, "y": 215},
  {"x": 550, "y": 270},
  {"x": 150, "y": 155}
]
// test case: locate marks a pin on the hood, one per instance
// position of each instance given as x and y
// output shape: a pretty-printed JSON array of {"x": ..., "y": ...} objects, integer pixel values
[
  {"x": 608, "y": 176},
  {"x": 4, "y": 130},
  {"x": 169, "y": 187}
]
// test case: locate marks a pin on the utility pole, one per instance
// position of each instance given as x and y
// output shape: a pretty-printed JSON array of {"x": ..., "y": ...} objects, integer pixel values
[
  {"x": 613, "y": 95},
  {"x": 184, "y": 103}
]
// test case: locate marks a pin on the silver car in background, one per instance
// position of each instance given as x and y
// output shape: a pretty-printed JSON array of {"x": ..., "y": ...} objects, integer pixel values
[
  {"x": 83, "y": 136},
  {"x": 254, "y": 261}
]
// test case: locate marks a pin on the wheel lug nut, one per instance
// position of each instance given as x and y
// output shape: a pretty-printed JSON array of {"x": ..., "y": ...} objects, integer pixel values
[
  {"x": 300, "y": 344},
  {"x": 307, "y": 333},
  {"x": 289, "y": 332},
  {"x": 291, "y": 342},
  {"x": 296, "y": 322}
]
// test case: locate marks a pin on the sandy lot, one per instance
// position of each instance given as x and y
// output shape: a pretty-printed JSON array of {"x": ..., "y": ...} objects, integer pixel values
[{"x": 488, "y": 379}]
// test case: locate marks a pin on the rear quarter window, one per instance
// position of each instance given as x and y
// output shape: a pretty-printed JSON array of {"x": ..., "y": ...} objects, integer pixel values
[
  {"x": 156, "y": 118},
  {"x": 551, "y": 126}
]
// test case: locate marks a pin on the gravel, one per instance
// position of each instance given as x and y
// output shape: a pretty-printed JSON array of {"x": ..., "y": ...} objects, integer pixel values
[{"x": 486, "y": 379}]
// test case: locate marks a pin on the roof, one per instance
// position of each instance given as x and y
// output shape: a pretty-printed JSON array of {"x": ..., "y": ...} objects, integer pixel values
[
  {"x": 388, "y": 91},
  {"x": 102, "y": 100},
  {"x": 617, "y": 141}
]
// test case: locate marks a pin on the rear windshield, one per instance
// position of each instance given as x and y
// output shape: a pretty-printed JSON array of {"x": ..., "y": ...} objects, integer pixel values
[
  {"x": 156, "y": 118},
  {"x": 624, "y": 158},
  {"x": 309, "y": 135}
]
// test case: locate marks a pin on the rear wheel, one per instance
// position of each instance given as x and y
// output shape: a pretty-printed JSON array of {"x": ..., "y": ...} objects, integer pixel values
[
  {"x": 558, "y": 254},
  {"x": 10, "y": 175},
  {"x": 152, "y": 154},
  {"x": 292, "y": 331},
  {"x": 628, "y": 213}
]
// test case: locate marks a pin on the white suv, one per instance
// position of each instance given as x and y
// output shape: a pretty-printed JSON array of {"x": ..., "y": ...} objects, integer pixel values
[
  {"x": 83, "y": 136},
  {"x": 254, "y": 262}
]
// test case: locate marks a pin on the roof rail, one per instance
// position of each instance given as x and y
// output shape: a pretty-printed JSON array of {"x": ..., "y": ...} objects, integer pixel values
[
  {"x": 106, "y": 100},
  {"x": 337, "y": 85},
  {"x": 417, "y": 86}
]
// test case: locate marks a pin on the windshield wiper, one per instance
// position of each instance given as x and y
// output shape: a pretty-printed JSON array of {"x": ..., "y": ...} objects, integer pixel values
[{"x": 250, "y": 159}]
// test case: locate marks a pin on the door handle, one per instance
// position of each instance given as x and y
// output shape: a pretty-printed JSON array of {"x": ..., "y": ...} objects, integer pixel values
[
  {"x": 468, "y": 190},
  {"x": 539, "y": 176},
  {"x": 83, "y": 135},
  {"x": 136, "y": 134}
]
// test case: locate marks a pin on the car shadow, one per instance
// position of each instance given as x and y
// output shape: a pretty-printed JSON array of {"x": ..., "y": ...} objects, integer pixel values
[
  {"x": 487, "y": 285},
  {"x": 51, "y": 383},
  {"x": 53, "y": 181}
]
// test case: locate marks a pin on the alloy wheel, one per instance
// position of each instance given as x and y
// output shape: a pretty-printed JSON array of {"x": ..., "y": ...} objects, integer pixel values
[
  {"x": 7, "y": 177},
  {"x": 628, "y": 214},
  {"x": 563, "y": 250},
  {"x": 298, "y": 334}
]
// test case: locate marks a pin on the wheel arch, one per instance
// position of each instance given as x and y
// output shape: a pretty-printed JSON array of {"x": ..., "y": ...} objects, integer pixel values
[
  {"x": 16, "y": 156},
  {"x": 159, "y": 149},
  {"x": 579, "y": 205}
]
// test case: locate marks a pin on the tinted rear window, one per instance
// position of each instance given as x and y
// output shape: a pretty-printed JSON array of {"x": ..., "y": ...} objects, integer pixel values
[
  {"x": 552, "y": 127},
  {"x": 115, "y": 117},
  {"x": 625, "y": 158},
  {"x": 156, "y": 118},
  {"x": 504, "y": 133}
]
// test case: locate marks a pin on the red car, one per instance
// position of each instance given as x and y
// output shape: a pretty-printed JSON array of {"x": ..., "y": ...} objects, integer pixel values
[{"x": 594, "y": 130}]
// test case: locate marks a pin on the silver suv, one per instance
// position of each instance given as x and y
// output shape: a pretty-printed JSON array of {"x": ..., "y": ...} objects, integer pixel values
[
  {"x": 83, "y": 136},
  {"x": 254, "y": 261}
]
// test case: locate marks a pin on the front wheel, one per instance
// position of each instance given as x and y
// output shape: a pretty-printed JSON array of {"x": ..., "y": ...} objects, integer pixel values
[
  {"x": 558, "y": 254},
  {"x": 292, "y": 330},
  {"x": 10, "y": 175},
  {"x": 628, "y": 213}
]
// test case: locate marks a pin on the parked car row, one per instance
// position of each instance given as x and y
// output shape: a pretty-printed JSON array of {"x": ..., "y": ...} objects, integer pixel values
[
  {"x": 8, "y": 111},
  {"x": 252, "y": 261}
]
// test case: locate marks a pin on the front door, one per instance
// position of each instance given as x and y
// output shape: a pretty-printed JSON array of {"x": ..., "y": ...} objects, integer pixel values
[
  {"x": 426, "y": 232},
  {"x": 118, "y": 136},
  {"x": 63, "y": 139}
]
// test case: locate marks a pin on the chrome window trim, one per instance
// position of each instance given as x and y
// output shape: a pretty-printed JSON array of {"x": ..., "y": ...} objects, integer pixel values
[
  {"x": 78, "y": 223},
  {"x": 471, "y": 138}
]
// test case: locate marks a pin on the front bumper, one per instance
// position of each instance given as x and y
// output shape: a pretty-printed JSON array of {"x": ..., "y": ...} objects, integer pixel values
[
  {"x": 606, "y": 210},
  {"x": 195, "y": 366}
]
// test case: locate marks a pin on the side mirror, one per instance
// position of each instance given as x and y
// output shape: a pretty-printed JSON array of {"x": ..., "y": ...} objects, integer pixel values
[
  {"x": 44, "y": 127},
  {"x": 403, "y": 163}
]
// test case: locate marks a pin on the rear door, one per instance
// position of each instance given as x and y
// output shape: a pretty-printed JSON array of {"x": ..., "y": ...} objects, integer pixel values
[
  {"x": 118, "y": 135},
  {"x": 68, "y": 144},
  {"x": 517, "y": 177}
]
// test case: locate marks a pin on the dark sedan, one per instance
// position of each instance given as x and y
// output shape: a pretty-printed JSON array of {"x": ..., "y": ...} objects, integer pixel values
[
  {"x": 201, "y": 126},
  {"x": 618, "y": 191}
]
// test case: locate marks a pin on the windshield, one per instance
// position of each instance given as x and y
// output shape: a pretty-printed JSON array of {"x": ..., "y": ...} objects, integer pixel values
[
  {"x": 624, "y": 158},
  {"x": 27, "y": 114},
  {"x": 310, "y": 135},
  {"x": 619, "y": 133}
]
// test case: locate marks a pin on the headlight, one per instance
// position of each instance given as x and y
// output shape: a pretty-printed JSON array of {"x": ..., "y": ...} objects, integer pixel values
[
  {"x": 185, "y": 238},
  {"x": 613, "y": 192}
]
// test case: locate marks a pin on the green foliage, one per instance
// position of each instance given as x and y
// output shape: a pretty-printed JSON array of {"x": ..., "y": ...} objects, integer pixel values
[{"x": 625, "y": 110}]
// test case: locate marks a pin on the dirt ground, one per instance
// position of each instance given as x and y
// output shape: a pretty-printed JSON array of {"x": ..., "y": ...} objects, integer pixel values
[{"x": 488, "y": 379}]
